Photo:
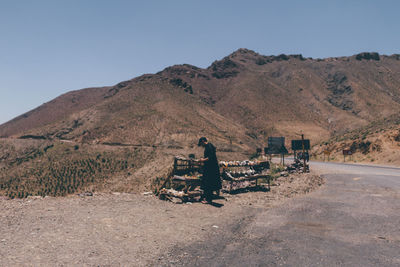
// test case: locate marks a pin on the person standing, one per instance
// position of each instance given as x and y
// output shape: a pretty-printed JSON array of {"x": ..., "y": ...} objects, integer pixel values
[{"x": 211, "y": 177}]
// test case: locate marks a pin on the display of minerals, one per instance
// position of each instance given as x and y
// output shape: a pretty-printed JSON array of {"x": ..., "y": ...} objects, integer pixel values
[
  {"x": 228, "y": 175},
  {"x": 186, "y": 177},
  {"x": 237, "y": 163},
  {"x": 234, "y": 186}
]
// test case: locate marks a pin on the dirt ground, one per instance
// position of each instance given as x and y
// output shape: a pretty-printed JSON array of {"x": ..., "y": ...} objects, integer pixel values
[{"x": 121, "y": 229}]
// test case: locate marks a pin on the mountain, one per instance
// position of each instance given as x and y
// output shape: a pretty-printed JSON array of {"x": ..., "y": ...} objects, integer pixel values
[
  {"x": 264, "y": 94},
  {"x": 377, "y": 142},
  {"x": 237, "y": 102}
]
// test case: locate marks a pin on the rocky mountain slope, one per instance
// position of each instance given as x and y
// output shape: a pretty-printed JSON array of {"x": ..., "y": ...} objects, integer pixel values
[
  {"x": 262, "y": 94},
  {"x": 237, "y": 102},
  {"x": 377, "y": 142}
]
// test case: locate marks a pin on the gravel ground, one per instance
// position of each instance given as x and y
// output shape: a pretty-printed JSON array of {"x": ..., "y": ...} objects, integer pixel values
[
  {"x": 125, "y": 229},
  {"x": 352, "y": 220}
]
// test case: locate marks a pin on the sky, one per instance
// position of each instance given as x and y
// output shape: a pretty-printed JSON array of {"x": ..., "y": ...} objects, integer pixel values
[{"x": 50, "y": 47}]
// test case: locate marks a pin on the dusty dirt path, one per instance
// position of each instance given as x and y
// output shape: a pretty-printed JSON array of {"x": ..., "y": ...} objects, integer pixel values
[{"x": 124, "y": 229}]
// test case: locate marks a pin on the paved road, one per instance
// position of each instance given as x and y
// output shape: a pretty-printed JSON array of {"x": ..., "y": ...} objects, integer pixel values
[{"x": 353, "y": 220}]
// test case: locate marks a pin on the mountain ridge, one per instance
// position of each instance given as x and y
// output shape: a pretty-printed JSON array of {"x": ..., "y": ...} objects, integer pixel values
[
  {"x": 217, "y": 66},
  {"x": 237, "y": 102},
  {"x": 224, "y": 68}
]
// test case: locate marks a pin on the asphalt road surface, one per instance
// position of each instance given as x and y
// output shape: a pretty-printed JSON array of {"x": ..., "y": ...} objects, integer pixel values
[{"x": 352, "y": 220}]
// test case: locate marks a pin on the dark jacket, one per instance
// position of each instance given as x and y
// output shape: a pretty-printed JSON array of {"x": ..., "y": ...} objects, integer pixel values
[{"x": 211, "y": 176}]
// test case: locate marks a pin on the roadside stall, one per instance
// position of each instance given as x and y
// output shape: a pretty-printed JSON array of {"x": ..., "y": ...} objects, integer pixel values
[
  {"x": 185, "y": 180},
  {"x": 245, "y": 175}
]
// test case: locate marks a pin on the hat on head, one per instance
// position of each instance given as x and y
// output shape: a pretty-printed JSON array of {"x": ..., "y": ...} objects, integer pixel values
[{"x": 202, "y": 140}]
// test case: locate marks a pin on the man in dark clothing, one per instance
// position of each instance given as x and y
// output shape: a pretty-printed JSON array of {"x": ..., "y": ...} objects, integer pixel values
[{"x": 211, "y": 177}]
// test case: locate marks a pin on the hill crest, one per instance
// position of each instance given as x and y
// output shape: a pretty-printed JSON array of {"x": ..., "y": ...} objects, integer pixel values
[
  {"x": 124, "y": 137},
  {"x": 290, "y": 89}
]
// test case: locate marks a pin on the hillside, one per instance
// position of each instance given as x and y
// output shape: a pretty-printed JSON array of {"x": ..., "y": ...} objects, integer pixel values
[
  {"x": 377, "y": 142},
  {"x": 265, "y": 94},
  {"x": 237, "y": 102}
]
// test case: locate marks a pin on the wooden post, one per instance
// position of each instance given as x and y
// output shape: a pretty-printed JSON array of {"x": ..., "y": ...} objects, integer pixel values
[
  {"x": 175, "y": 165},
  {"x": 304, "y": 154}
]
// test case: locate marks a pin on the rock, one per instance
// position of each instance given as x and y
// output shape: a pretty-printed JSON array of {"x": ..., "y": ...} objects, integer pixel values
[
  {"x": 34, "y": 197},
  {"x": 86, "y": 194},
  {"x": 368, "y": 56},
  {"x": 284, "y": 174}
]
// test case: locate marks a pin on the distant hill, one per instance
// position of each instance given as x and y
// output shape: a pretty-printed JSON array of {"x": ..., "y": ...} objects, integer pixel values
[
  {"x": 377, "y": 142},
  {"x": 237, "y": 102}
]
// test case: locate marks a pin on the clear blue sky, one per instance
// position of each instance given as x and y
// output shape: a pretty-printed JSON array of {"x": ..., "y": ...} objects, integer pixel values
[{"x": 49, "y": 47}]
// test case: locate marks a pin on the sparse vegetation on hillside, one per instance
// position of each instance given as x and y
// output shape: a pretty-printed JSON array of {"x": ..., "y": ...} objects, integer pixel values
[
  {"x": 368, "y": 56},
  {"x": 58, "y": 170},
  {"x": 379, "y": 141},
  {"x": 180, "y": 83}
]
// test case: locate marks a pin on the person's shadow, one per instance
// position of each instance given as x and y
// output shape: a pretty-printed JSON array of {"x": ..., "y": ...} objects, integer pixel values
[
  {"x": 215, "y": 204},
  {"x": 217, "y": 197}
]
